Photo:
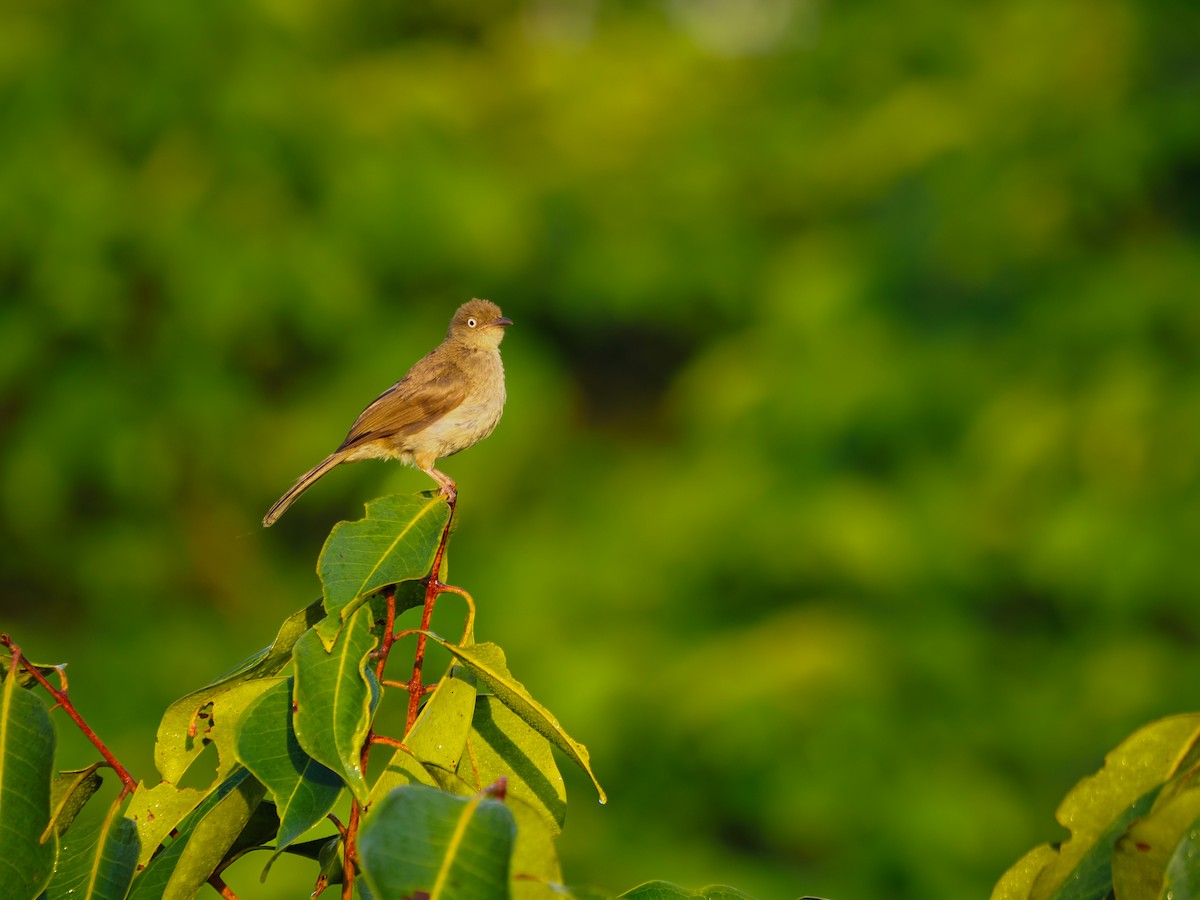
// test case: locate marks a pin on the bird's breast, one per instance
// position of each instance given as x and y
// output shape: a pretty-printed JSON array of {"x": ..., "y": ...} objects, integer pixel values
[{"x": 473, "y": 419}]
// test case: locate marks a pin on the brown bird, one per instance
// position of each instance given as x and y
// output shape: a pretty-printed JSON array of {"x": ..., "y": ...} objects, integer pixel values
[{"x": 451, "y": 399}]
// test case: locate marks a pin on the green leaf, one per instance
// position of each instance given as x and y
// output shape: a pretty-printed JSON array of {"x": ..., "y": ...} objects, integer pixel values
[
  {"x": 204, "y": 839},
  {"x": 156, "y": 811},
  {"x": 402, "y": 768},
  {"x": 535, "y": 865},
  {"x": 97, "y": 862},
  {"x": 191, "y": 722},
  {"x": 1156, "y": 857},
  {"x": 503, "y": 744},
  {"x": 1182, "y": 877},
  {"x": 1100, "y": 807},
  {"x": 440, "y": 732},
  {"x": 302, "y": 789},
  {"x": 1017, "y": 882},
  {"x": 335, "y": 694},
  {"x": 419, "y": 839},
  {"x": 396, "y": 542},
  {"x": 488, "y": 663},
  {"x": 437, "y": 738},
  {"x": 27, "y": 743},
  {"x": 664, "y": 890},
  {"x": 69, "y": 792}
]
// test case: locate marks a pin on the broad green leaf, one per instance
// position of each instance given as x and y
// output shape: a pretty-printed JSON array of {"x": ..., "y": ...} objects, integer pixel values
[
  {"x": 69, "y": 792},
  {"x": 402, "y": 768},
  {"x": 664, "y": 890},
  {"x": 1017, "y": 882},
  {"x": 535, "y": 867},
  {"x": 488, "y": 663},
  {"x": 440, "y": 732},
  {"x": 302, "y": 789},
  {"x": 335, "y": 694},
  {"x": 422, "y": 840},
  {"x": 1100, "y": 807},
  {"x": 502, "y": 744},
  {"x": 1183, "y": 868},
  {"x": 192, "y": 721},
  {"x": 396, "y": 542},
  {"x": 156, "y": 811},
  {"x": 204, "y": 839},
  {"x": 1141, "y": 867},
  {"x": 437, "y": 737},
  {"x": 27, "y": 743},
  {"x": 258, "y": 834},
  {"x": 97, "y": 862}
]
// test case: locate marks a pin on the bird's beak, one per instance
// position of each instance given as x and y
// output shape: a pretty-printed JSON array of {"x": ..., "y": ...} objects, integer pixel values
[{"x": 502, "y": 321}]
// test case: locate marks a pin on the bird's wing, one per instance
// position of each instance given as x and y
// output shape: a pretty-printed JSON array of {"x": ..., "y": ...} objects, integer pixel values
[{"x": 431, "y": 389}]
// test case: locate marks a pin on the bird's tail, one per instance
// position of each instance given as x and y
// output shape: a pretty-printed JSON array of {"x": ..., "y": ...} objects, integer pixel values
[{"x": 303, "y": 483}]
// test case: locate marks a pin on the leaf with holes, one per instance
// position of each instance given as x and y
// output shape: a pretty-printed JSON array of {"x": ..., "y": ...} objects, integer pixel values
[{"x": 185, "y": 728}]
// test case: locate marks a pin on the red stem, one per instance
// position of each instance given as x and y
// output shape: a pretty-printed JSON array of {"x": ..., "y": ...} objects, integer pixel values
[
  {"x": 128, "y": 782},
  {"x": 221, "y": 887},
  {"x": 433, "y": 587},
  {"x": 390, "y": 636}
]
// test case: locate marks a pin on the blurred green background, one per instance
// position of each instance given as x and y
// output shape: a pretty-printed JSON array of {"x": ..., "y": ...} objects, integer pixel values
[{"x": 846, "y": 501}]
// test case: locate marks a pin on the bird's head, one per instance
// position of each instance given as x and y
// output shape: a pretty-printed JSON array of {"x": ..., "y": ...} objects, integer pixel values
[{"x": 478, "y": 324}]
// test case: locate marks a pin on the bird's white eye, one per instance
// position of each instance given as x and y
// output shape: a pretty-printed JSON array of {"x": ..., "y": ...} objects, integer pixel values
[{"x": 470, "y": 323}]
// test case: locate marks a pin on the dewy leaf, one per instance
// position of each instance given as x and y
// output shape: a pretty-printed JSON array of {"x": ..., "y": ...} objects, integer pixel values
[
  {"x": 156, "y": 811},
  {"x": 535, "y": 863},
  {"x": 27, "y": 742},
  {"x": 1017, "y": 882},
  {"x": 395, "y": 542},
  {"x": 440, "y": 732},
  {"x": 664, "y": 890},
  {"x": 302, "y": 789},
  {"x": 437, "y": 738},
  {"x": 97, "y": 862},
  {"x": 204, "y": 838},
  {"x": 488, "y": 664},
  {"x": 182, "y": 732},
  {"x": 335, "y": 694},
  {"x": 69, "y": 792},
  {"x": 503, "y": 745},
  {"x": 422, "y": 841},
  {"x": 402, "y": 768},
  {"x": 1141, "y": 857},
  {"x": 1100, "y": 807}
]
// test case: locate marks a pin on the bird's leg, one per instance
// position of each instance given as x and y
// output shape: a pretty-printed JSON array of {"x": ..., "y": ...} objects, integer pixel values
[{"x": 449, "y": 488}]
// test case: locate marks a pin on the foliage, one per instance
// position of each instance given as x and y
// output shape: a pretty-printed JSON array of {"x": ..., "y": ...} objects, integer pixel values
[
  {"x": 1134, "y": 826},
  {"x": 852, "y": 399},
  {"x": 468, "y": 806}
]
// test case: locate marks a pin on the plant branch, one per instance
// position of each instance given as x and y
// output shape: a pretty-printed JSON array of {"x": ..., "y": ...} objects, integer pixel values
[
  {"x": 433, "y": 587},
  {"x": 128, "y": 782},
  {"x": 388, "y": 742},
  {"x": 414, "y": 687},
  {"x": 218, "y": 884}
]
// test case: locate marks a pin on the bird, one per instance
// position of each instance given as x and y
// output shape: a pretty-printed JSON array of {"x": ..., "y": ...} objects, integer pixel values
[{"x": 450, "y": 399}]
